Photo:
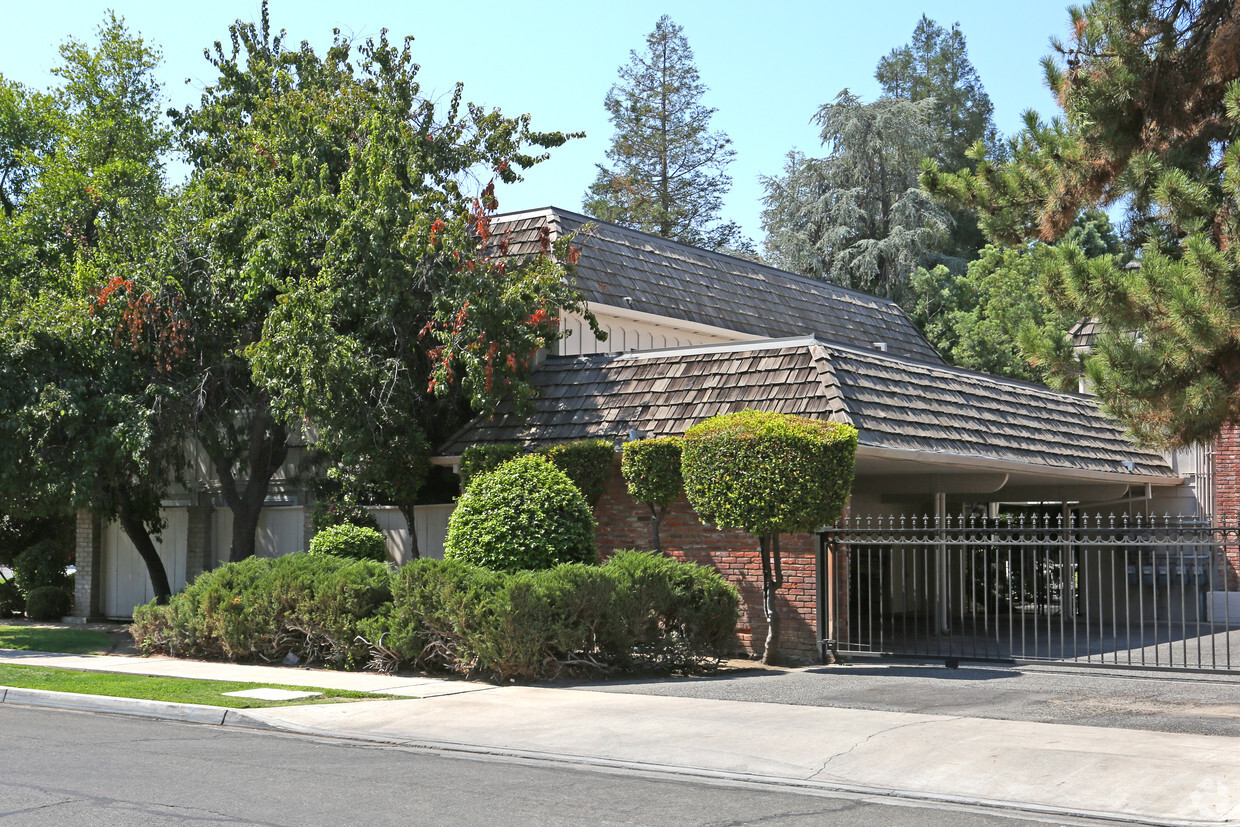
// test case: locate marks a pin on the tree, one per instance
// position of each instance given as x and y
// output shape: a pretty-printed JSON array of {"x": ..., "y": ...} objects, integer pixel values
[
  {"x": 352, "y": 283},
  {"x": 767, "y": 474},
  {"x": 935, "y": 64},
  {"x": 858, "y": 217},
  {"x": 88, "y": 341},
  {"x": 668, "y": 173},
  {"x": 976, "y": 320},
  {"x": 651, "y": 469},
  {"x": 1151, "y": 112}
]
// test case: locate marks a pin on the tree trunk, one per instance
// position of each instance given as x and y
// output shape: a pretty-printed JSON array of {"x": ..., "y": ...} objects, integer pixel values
[
  {"x": 135, "y": 529},
  {"x": 772, "y": 579},
  {"x": 267, "y": 448},
  {"x": 656, "y": 519},
  {"x": 407, "y": 511}
]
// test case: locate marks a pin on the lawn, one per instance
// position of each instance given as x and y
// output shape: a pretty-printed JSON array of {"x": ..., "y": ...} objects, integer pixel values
[
  {"x": 177, "y": 690},
  {"x": 68, "y": 641}
]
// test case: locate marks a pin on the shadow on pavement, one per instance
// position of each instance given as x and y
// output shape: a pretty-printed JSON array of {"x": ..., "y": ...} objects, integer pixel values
[{"x": 935, "y": 672}]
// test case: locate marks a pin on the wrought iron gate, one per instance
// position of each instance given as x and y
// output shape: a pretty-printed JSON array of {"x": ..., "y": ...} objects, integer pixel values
[{"x": 1122, "y": 591}]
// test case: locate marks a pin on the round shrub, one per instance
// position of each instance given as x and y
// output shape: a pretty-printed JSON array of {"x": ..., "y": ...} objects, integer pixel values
[
  {"x": 768, "y": 473},
  {"x": 479, "y": 459},
  {"x": 48, "y": 603},
  {"x": 651, "y": 469},
  {"x": 526, "y": 514},
  {"x": 352, "y": 541}
]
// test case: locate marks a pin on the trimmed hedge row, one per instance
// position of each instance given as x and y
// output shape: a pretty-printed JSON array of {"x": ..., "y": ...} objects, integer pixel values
[{"x": 638, "y": 611}]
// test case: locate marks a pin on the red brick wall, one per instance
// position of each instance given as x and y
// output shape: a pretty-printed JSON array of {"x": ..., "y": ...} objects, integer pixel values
[
  {"x": 1227, "y": 494},
  {"x": 623, "y": 524}
]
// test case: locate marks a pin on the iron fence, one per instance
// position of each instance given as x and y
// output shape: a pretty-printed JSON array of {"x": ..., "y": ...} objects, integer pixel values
[{"x": 1125, "y": 591}]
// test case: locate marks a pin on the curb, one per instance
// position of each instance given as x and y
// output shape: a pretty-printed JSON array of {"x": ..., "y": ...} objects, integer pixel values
[
  {"x": 254, "y": 720},
  {"x": 134, "y": 707}
]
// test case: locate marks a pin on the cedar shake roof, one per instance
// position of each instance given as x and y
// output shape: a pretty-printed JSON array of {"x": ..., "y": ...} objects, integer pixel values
[
  {"x": 895, "y": 404},
  {"x": 671, "y": 279}
]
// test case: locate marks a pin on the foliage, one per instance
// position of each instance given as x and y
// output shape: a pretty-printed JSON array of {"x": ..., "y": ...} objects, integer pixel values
[
  {"x": 350, "y": 541},
  {"x": 668, "y": 173},
  {"x": 1151, "y": 110},
  {"x": 88, "y": 340},
  {"x": 338, "y": 508},
  {"x": 48, "y": 603},
  {"x": 376, "y": 305},
  {"x": 935, "y": 64},
  {"x": 262, "y": 609},
  {"x": 857, "y": 217},
  {"x": 43, "y": 564},
  {"x": 767, "y": 474},
  {"x": 526, "y": 514},
  {"x": 638, "y": 610},
  {"x": 12, "y": 601},
  {"x": 651, "y": 469},
  {"x": 587, "y": 462},
  {"x": 479, "y": 459}
]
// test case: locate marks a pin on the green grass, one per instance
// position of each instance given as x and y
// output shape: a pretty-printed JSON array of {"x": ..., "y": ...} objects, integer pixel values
[
  {"x": 177, "y": 690},
  {"x": 67, "y": 641}
]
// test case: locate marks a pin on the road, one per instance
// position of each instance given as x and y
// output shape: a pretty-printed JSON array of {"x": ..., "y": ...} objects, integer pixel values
[{"x": 75, "y": 768}]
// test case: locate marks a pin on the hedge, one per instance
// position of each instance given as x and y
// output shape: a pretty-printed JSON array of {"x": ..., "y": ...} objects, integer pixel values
[
  {"x": 587, "y": 462},
  {"x": 480, "y": 459},
  {"x": 350, "y": 541}
]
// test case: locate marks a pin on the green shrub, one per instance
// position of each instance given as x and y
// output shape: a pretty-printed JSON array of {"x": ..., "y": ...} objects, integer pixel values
[
  {"x": 337, "y": 509},
  {"x": 767, "y": 473},
  {"x": 587, "y": 462},
  {"x": 669, "y": 614},
  {"x": 481, "y": 459},
  {"x": 351, "y": 541},
  {"x": 11, "y": 600},
  {"x": 43, "y": 564},
  {"x": 641, "y": 610},
  {"x": 312, "y": 605},
  {"x": 526, "y": 514},
  {"x": 48, "y": 603},
  {"x": 651, "y": 469}
]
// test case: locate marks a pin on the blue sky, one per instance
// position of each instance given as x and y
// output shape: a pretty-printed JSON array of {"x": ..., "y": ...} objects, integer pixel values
[{"x": 768, "y": 65}]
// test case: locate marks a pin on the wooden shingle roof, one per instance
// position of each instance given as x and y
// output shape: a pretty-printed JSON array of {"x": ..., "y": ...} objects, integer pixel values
[
  {"x": 896, "y": 404},
  {"x": 670, "y": 279}
]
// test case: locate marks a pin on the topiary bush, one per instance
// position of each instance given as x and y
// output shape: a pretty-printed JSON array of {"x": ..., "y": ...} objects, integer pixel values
[
  {"x": 651, "y": 469},
  {"x": 312, "y": 605},
  {"x": 351, "y": 541},
  {"x": 479, "y": 459},
  {"x": 587, "y": 462},
  {"x": 768, "y": 473},
  {"x": 48, "y": 603},
  {"x": 526, "y": 514}
]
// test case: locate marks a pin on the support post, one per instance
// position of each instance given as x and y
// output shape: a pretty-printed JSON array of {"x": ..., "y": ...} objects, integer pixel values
[
  {"x": 88, "y": 561},
  {"x": 940, "y": 564}
]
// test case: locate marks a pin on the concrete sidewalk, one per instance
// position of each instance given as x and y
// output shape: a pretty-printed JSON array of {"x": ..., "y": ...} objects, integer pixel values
[{"x": 1154, "y": 777}]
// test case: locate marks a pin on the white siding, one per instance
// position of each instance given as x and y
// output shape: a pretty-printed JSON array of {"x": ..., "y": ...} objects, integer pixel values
[
  {"x": 432, "y": 526},
  {"x": 126, "y": 583},
  {"x": 630, "y": 334},
  {"x": 280, "y": 531}
]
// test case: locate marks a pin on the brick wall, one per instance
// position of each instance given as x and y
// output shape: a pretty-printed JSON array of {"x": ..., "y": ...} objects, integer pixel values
[
  {"x": 1227, "y": 494},
  {"x": 623, "y": 523},
  {"x": 88, "y": 561}
]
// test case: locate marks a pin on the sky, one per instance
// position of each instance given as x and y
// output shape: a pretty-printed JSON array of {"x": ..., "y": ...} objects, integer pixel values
[{"x": 768, "y": 65}]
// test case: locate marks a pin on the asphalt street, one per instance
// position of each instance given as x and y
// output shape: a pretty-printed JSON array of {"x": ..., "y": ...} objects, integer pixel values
[
  {"x": 64, "y": 767},
  {"x": 1199, "y": 703}
]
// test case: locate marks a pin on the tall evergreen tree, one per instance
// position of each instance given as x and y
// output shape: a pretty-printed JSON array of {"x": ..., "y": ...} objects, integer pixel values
[
  {"x": 858, "y": 217},
  {"x": 668, "y": 168},
  {"x": 1151, "y": 107}
]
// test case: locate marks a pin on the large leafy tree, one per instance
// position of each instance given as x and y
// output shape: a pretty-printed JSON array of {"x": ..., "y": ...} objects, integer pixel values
[
  {"x": 346, "y": 278},
  {"x": 858, "y": 217},
  {"x": 668, "y": 168},
  {"x": 977, "y": 320},
  {"x": 88, "y": 338},
  {"x": 1151, "y": 109}
]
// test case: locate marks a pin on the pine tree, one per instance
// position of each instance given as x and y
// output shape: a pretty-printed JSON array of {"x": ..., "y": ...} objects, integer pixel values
[
  {"x": 1151, "y": 106},
  {"x": 668, "y": 174}
]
